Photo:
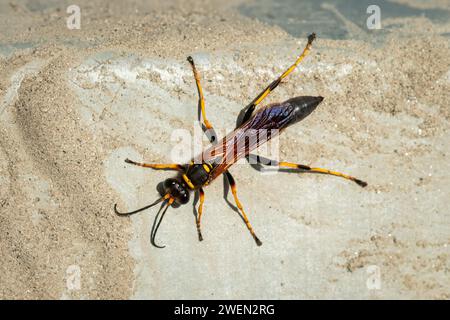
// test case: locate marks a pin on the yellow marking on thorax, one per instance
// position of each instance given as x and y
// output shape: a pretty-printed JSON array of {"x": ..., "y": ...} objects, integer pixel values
[
  {"x": 207, "y": 167},
  {"x": 188, "y": 181}
]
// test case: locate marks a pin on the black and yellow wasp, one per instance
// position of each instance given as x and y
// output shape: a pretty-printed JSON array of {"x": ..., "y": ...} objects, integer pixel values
[{"x": 221, "y": 155}]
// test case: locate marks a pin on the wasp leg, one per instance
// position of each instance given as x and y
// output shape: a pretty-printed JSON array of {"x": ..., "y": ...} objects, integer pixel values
[
  {"x": 305, "y": 168},
  {"x": 200, "y": 211},
  {"x": 241, "y": 209},
  {"x": 201, "y": 100},
  {"x": 207, "y": 126},
  {"x": 323, "y": 171},
  {"x": 173, "y": 166},
  {"x": 247, "y": 111}
]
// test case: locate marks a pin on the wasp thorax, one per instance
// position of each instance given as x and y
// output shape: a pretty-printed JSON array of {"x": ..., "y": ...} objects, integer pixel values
[{"x": 177, "y": 190}]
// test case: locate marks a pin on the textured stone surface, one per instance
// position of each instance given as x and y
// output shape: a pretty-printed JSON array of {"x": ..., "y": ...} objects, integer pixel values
[{"x": 75, "y": 104}]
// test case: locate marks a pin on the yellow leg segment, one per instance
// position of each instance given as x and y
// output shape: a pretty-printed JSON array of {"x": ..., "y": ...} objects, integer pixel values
[
  {"x": 275, "y": 83},
  {"x": 200, "y": 211},
  {"x": 241, "y": 209},
  {"x": 208, "y": 125},
  {"x": 320, "y": 170},
  {"x": 173, "y": 166}
]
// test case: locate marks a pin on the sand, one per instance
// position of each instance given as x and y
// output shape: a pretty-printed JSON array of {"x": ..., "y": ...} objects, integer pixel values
[{"x": 75, "y": 103}]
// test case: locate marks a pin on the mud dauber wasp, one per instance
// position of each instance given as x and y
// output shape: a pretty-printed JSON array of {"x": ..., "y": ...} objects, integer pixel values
[{"x": 221, "y": 155}]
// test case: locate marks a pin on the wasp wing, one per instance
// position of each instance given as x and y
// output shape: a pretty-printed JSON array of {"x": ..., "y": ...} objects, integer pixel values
[{"x": 264, "y": 124}]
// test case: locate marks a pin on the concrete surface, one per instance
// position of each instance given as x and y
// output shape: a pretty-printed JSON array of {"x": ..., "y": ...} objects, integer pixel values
[{"x": 75, "y": 104}]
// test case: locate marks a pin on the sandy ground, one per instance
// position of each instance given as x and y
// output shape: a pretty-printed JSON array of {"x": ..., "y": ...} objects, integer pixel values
[{"x": 75, "y": 103}]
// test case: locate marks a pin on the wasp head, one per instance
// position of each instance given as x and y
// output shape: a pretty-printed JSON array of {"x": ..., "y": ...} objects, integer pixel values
[{"x": 177, "y": 190}]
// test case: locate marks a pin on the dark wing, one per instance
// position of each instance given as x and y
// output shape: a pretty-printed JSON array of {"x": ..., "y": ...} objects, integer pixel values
[{"x": 264, "y": 124}]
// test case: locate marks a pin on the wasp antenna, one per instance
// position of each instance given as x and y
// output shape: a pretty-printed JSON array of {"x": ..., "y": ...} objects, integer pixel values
[
  {"x": 166, "y": 204},
  {"x": 138, "y": 210}
]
